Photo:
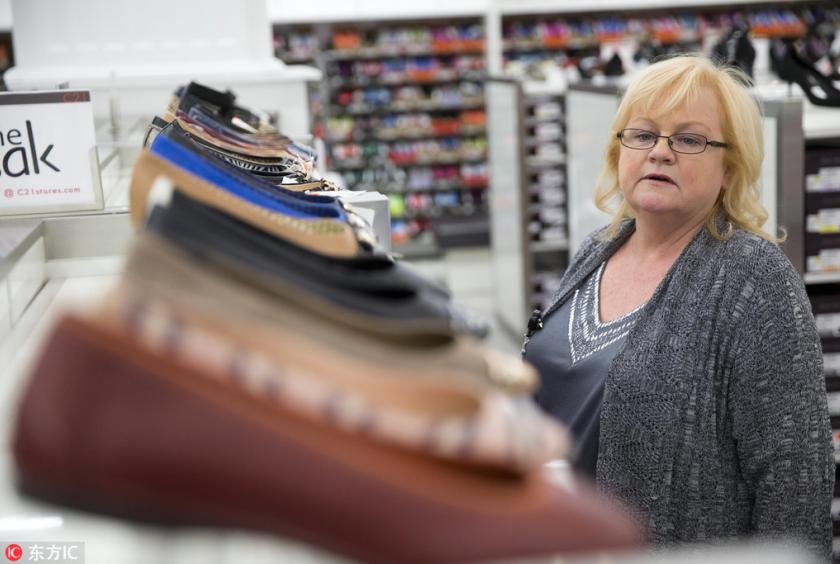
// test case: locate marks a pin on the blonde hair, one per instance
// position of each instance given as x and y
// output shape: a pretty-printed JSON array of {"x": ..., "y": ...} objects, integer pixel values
[{"x": 740, "y": 115}]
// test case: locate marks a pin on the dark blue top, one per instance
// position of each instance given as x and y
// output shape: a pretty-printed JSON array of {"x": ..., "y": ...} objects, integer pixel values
[{"x": 573, "y": 353}]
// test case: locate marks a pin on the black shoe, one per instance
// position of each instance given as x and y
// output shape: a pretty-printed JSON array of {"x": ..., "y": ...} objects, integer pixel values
[
  {"x": 614, "y": 66},
  {"x": 791, "y": 67},
  {"x": 736, "y": 49}
]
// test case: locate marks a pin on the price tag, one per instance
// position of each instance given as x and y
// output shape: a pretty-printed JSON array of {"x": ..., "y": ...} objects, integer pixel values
[{"x": 48, "y": 160}]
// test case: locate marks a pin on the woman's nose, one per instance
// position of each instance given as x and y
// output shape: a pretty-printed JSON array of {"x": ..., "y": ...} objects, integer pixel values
[{"x": 661, "y": 151}]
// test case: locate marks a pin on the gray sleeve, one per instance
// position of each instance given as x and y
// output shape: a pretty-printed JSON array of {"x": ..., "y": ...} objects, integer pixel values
[{"x": 779, "y": 414}]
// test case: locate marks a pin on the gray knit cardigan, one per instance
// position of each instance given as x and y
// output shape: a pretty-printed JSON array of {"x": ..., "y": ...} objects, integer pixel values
[{"x": 714, "y": 422}]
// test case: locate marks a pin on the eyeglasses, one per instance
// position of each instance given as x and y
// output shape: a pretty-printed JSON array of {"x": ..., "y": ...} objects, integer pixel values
[{"x": 687, "y": 143}]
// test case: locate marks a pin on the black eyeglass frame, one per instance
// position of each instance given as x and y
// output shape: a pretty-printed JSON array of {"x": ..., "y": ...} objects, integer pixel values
[{"x": 709, "y": 142}]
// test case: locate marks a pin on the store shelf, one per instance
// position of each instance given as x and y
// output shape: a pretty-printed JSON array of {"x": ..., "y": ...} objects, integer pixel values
[
  {"x": 535, "y": 142},
  {"x": 463, "y": 230},
  {"x": 822, "y": 277},
  {"x": 381, "y": 53},
  {"x": 418, "y": 136},
  {"x": 544, "y": 162},
  {"x": 362, "y": 110},
  {"x": 819, "y": 122},
  {"x": 431, "y": 189},
  {"x": 532, "y": 121},
  {"x": 516, "y": 46},
  {"x": 433, "y": 69},
  {"x": 295, "y": 59},
  {"x": 362, "y": 164},
  {"x": 519, "y": 7},
  {"x": 548, "y": 246},
  {"x": 443, "y": 214},
  {"x": 519, "y": 46},
  {"x": 363, "y": 82}
]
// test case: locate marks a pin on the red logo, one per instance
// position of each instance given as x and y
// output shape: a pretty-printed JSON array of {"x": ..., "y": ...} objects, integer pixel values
[
  {"x": 14, "y": 552},
  {"x": 8, "y": 192}
]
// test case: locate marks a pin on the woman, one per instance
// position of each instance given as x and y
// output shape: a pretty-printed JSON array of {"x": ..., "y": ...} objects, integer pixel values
[{"x": 681, "y": 349}]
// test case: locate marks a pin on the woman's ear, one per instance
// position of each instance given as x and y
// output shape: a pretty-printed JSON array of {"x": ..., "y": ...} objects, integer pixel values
[{"x": 727, "y": 179}]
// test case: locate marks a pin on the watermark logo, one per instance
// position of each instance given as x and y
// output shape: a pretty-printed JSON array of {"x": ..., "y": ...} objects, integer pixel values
[
  {"x": 51, "y": 552},
  {"x": 13, "y": 552}
]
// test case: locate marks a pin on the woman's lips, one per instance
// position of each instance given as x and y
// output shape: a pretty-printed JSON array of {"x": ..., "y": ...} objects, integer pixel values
[{"x": 660, "y": 179}]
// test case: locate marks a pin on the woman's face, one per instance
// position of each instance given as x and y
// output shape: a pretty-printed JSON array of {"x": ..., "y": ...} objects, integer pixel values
[{"x": 661, "y": 182}]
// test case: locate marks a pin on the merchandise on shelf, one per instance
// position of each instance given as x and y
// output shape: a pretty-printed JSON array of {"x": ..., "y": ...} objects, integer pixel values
[
  {"x": 296, "y": 46},
  {"x": 404, "y": 115},
  {"x": 546, "y": 224},
  {"x": 583, "y": 42},
  {"x": 822, "y": 210}
]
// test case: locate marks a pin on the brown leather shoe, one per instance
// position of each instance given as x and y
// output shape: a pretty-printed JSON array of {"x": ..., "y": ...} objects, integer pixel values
[{"x": 106, "y": 425}]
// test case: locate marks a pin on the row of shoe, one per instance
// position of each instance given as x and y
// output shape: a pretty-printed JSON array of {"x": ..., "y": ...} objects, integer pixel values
[
  {"x": 443, "y": 38},
  {"x": 438, "y": 177},
  {"x": 262, "y": 363},
  {"x": 805, "y": 59},
  {"x": 412, "y": 96},
  {"x": 559, "y": 32},
  {"x": 437, "y": 203},
  {"x": 348, "y": 128},
  {"x": 419, "y": 231},
  {"x": 443, "y": 149},
  {"x": 418, "y": 68}
]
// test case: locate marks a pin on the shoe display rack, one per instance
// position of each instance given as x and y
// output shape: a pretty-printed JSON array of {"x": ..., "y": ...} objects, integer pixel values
[
  {"x": 401, "y": 111},
  {"x": 822, "y": 275},
  {"x": 545, "y": 174},
  {"x": 577, "y": 41},
  {"x": 528, "y": 212}
]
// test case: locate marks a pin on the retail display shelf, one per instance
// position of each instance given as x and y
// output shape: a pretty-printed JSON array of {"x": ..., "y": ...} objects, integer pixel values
[
  {"x": 822, "y": 277},
  {"x": 468, "y": 131},
  {"x": 360, "y": 110},
  {"x": 397, "y": 53},
  {"x": 438, "y": 188},
  {"x": 536, "y": 142},
  {"x": 365, "y": 81},
  {"x": 548, "y": 246},
  {"x": 308, "y": 60},
  {"x": 444, "y": 214},
  {"x": 519, "y": 7},
  {"x": 819, "y": 122},
  {"x": 532, "y": 121},
  {"x": 545, "y": 162},
  {"x": 539, "y": 189},
  {"x": 523, "y": 47},
  {"x": 362, "y": 163},
  {"x": 411, "y": 83}
]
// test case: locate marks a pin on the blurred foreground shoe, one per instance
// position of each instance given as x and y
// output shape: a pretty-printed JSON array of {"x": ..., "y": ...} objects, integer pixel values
[
  {"x": 387, "y": 296},
  {"x": 224, "y": 105},
  {"x": 108, "y": 426},
  {"x": 169, "y": 273},
  {"x": 457, "y": 419}
]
